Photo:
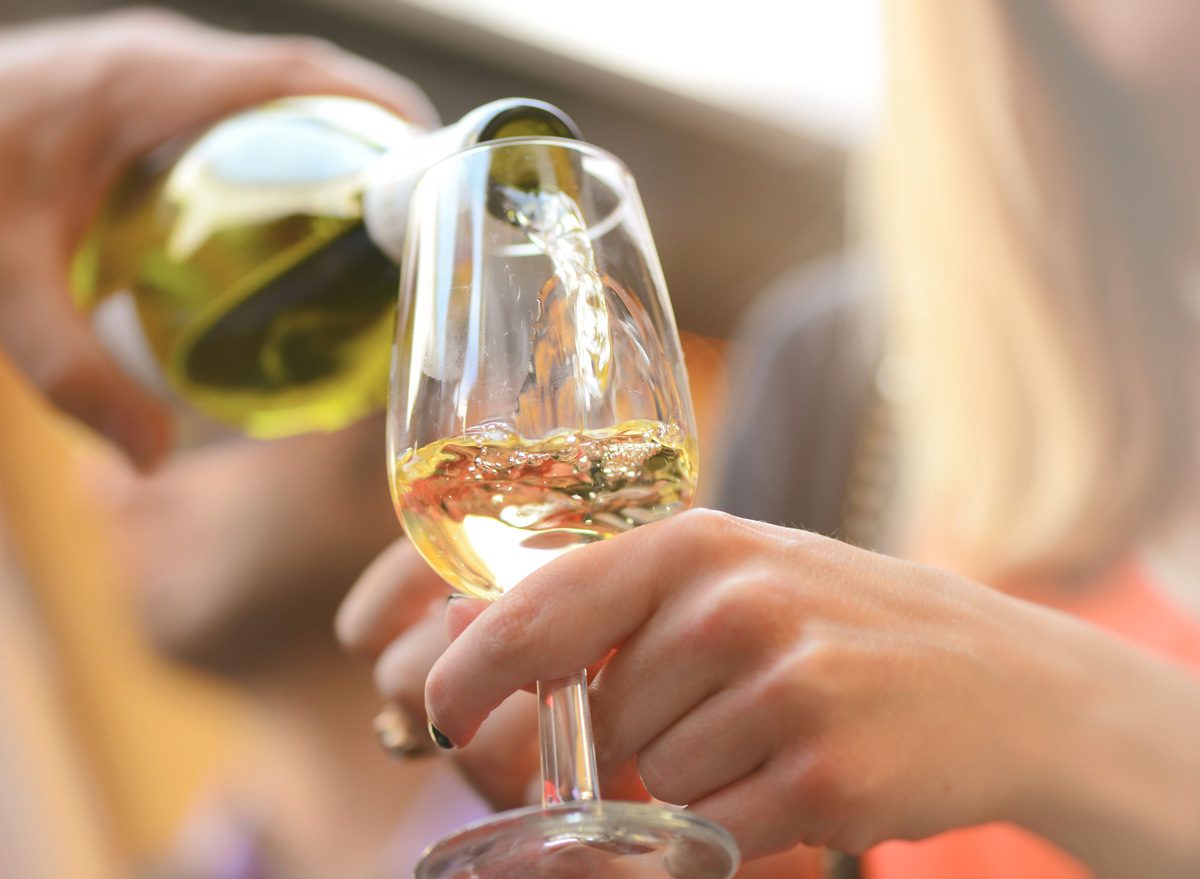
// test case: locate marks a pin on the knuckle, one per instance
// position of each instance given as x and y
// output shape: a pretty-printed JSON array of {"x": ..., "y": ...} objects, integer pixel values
[
  {"x": 818, "y": 779},
  {"x": 801, "y": 694},
  {"x": 703, "y": 539},
  {"x": 782, "y": 686},
  {"x": 809, "y": 785},
  {"x": 726, "y": 615},
  {"x": 818, "y": 659},
  {"x": 812, "y": 785},
  {"x": 702, "y": 526},
  {"x": 743, "y": 611},
  {"x": 851, "y": 826},
  {"x": 821, "y": 667}
]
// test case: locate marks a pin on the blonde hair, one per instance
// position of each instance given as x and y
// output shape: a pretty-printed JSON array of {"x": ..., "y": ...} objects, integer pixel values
[{"x": 1028, "y": 238}]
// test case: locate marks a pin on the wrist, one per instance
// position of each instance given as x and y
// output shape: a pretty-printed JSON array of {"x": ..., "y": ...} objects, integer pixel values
[{"x": 1109, "y": 745}]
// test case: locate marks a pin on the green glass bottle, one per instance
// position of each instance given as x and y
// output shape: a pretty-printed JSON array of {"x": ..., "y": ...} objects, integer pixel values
[{"x": 261, "y": 258}]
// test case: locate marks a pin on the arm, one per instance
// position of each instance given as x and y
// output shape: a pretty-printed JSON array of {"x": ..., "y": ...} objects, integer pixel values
[
  {"x": 83, "y": 99},
  {"x": 796, "y": 689},
  {"x": 1121, "y": 790}
]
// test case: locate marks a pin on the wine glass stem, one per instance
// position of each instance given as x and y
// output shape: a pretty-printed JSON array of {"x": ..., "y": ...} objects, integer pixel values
[{"x": 568, "y": 756}]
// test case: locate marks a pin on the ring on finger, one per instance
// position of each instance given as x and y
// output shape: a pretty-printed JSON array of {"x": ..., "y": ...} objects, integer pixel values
[{"x": 399, "y": 734}]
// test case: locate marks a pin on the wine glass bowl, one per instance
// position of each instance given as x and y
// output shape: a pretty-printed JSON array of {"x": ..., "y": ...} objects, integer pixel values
[
  {"x": 539, "y": 402},
  {"x": 533, "y": 337}
]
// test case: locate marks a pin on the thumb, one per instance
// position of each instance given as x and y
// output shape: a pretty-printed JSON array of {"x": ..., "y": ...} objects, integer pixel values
[{"x": 53, "y": 345}]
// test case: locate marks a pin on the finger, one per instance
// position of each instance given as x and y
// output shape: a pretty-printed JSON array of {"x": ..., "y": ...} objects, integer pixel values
[
  {"x": 327, "y": 69},
  {"x": 402, "y": 667},
  {"x": 218, "y": 73},
  {"x": 51, "y": 343},
  {"x": 565, "y": 616},
  {"x": 391, "y": 594},
  {"x": 503, "y": 761},
  {"x": 763, "y": 815},
  {"x": 707, "y": 646},
  {"x": 721, "y": 741},
  {"x": 657, "y": 677}
]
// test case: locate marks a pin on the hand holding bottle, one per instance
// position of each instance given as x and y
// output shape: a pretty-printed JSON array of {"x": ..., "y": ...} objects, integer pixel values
[{"x": 85, "y": 98}]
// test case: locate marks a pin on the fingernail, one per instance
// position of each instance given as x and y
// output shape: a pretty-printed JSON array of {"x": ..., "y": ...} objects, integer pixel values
[
  {"x": 439, "y": 738},
  {"x": 455, "y": 596}
]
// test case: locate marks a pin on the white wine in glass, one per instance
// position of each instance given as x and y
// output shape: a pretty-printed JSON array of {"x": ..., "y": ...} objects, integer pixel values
[
  {"x": 539, "y": 403},
  {"x": 489, "y": 507}
]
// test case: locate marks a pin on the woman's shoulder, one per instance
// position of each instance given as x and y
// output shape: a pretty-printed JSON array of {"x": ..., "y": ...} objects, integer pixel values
[
  {"x": 814, "y": 304},
  {"x": 805, "y": 369}
]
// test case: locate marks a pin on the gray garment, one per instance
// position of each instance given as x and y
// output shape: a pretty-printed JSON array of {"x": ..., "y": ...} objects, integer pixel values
[
  {"x": 806, "y": 377},
  {"x": 802, "y": 391}
]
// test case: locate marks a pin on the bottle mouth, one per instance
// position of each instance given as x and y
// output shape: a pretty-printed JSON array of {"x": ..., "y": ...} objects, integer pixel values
[
  {"x": 587, "y": 152},
  {"x": 586, "y": 160},
  {"x": 529, "y": 119}
]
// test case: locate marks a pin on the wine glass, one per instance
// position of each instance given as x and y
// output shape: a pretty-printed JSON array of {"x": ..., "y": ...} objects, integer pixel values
[{"x": 539, "y": 403}]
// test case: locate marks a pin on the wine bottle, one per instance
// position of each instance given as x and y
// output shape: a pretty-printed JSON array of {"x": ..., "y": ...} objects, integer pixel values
[{"x": 261, "y": 258}]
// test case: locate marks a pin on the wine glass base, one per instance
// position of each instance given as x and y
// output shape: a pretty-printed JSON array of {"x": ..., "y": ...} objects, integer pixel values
[{"x": 585, "y": 840}]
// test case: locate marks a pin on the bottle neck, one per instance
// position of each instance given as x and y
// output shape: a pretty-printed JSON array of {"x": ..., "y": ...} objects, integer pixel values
[{"x": 390, "y": 183}]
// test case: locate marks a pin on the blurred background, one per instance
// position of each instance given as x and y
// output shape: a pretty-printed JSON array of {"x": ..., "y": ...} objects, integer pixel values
[{"x": 737, "y": 122}]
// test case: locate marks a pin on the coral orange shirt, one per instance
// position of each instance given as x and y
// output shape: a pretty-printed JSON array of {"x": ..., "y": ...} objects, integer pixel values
[{"x": 1129, "y": 606}]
